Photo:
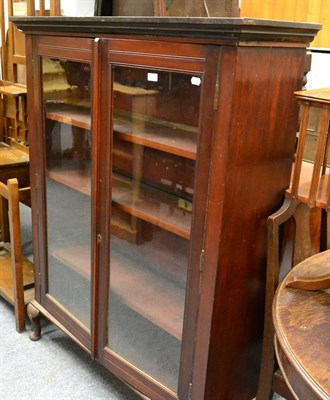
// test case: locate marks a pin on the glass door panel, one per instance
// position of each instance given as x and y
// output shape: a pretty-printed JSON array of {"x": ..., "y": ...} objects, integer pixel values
[
  {"x": 67, "y": 108},
  {"x": 155, "y": 134}
]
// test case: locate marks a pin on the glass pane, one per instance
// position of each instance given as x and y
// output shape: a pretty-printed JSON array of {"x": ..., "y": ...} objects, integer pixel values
[
  {"x": 155, "y": 136},
  {"x": 66, "y": 91}
]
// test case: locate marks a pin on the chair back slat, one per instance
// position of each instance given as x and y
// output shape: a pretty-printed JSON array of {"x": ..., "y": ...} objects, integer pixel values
[{"x": 300, "y": 148}]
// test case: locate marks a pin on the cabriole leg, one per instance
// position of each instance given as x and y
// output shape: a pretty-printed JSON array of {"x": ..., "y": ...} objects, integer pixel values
[{"x": 34, "y": 317}]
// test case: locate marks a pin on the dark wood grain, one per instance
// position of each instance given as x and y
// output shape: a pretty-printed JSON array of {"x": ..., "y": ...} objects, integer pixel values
[{"x": 244, "y": 210}]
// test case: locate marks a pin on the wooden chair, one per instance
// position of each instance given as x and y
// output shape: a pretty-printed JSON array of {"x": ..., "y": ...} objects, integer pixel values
[
  {"x": 307, "y": 197},
  {"x": 16, "y": 272}
]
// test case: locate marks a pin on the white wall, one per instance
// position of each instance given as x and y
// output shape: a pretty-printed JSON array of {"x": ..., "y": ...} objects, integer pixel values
[
  {"x": 73, "y": 8},
  {"x": 47, "y": 4},
  {"x": 77, "y": 8},
  {"x": 319, "y": 76}
]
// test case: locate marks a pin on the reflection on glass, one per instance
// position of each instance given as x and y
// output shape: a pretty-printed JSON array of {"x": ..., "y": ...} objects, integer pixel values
[
  {"x": 155, "y": 136},
  {"x": 66, "y": 91}
]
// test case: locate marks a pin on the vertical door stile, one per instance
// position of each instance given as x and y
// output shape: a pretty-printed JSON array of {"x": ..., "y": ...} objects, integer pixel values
[
  {"x": 103, "y": 189},
  {"x": 39, "y": 173},
  {"x": 36, "y": 164},
  {"x": 197, "y": 255},
  {"x": 110, "y": 121},
  {"x": 95, "y": 223}
]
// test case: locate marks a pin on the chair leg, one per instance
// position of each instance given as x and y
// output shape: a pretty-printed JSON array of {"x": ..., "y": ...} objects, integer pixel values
[
  {"x": 17, "y": 266},
  {"x": 34, "y": 316},
  {"x": 20, "y": 316},
  {"x": 19, "y": 297},
  {"x": 265, "y": 391},
  {"x": 4, "y": 220}
]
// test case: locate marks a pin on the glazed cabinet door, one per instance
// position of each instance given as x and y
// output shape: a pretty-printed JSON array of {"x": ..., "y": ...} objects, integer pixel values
[
  {"x": 62, "y": 151},
  {"x": 157, "y": 105}
]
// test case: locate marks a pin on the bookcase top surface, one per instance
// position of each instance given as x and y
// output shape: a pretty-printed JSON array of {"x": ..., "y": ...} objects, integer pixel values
[{"x": 248, "y": 29}]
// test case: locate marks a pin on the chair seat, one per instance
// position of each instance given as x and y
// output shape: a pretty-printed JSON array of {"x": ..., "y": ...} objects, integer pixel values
[{"x": 6, "y": 278}]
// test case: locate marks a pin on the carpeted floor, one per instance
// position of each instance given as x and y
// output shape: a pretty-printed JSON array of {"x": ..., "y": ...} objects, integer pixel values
[{"x": 52, "y": 368}]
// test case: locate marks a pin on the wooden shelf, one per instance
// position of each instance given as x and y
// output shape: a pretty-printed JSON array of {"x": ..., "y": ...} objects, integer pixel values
[
  {"x": 322, "y": 196},
  {"x": 145, "y": 292},
  {"x": 145, "y": 202},
  {"x": 78, "y": 179},
  {"x": 6, "y": 278},
  {"x": 69, "y": 114},
  {"x": 151, "y": 205},
  {"x": 13, "y": 90},
  {"x": 160, "y": 135}
]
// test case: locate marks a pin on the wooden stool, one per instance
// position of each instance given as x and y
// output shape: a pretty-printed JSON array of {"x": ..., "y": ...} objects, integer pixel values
[
  {"x": 301, "y": 317},
  {"x": 309, "y": 192}
]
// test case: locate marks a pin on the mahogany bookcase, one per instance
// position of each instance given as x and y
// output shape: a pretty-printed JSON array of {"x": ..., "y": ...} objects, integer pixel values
[{"x": 159, "y": 147}]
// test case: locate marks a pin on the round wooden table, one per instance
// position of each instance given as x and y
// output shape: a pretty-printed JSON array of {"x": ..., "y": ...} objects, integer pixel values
[{"x": 301, "y": 319}]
